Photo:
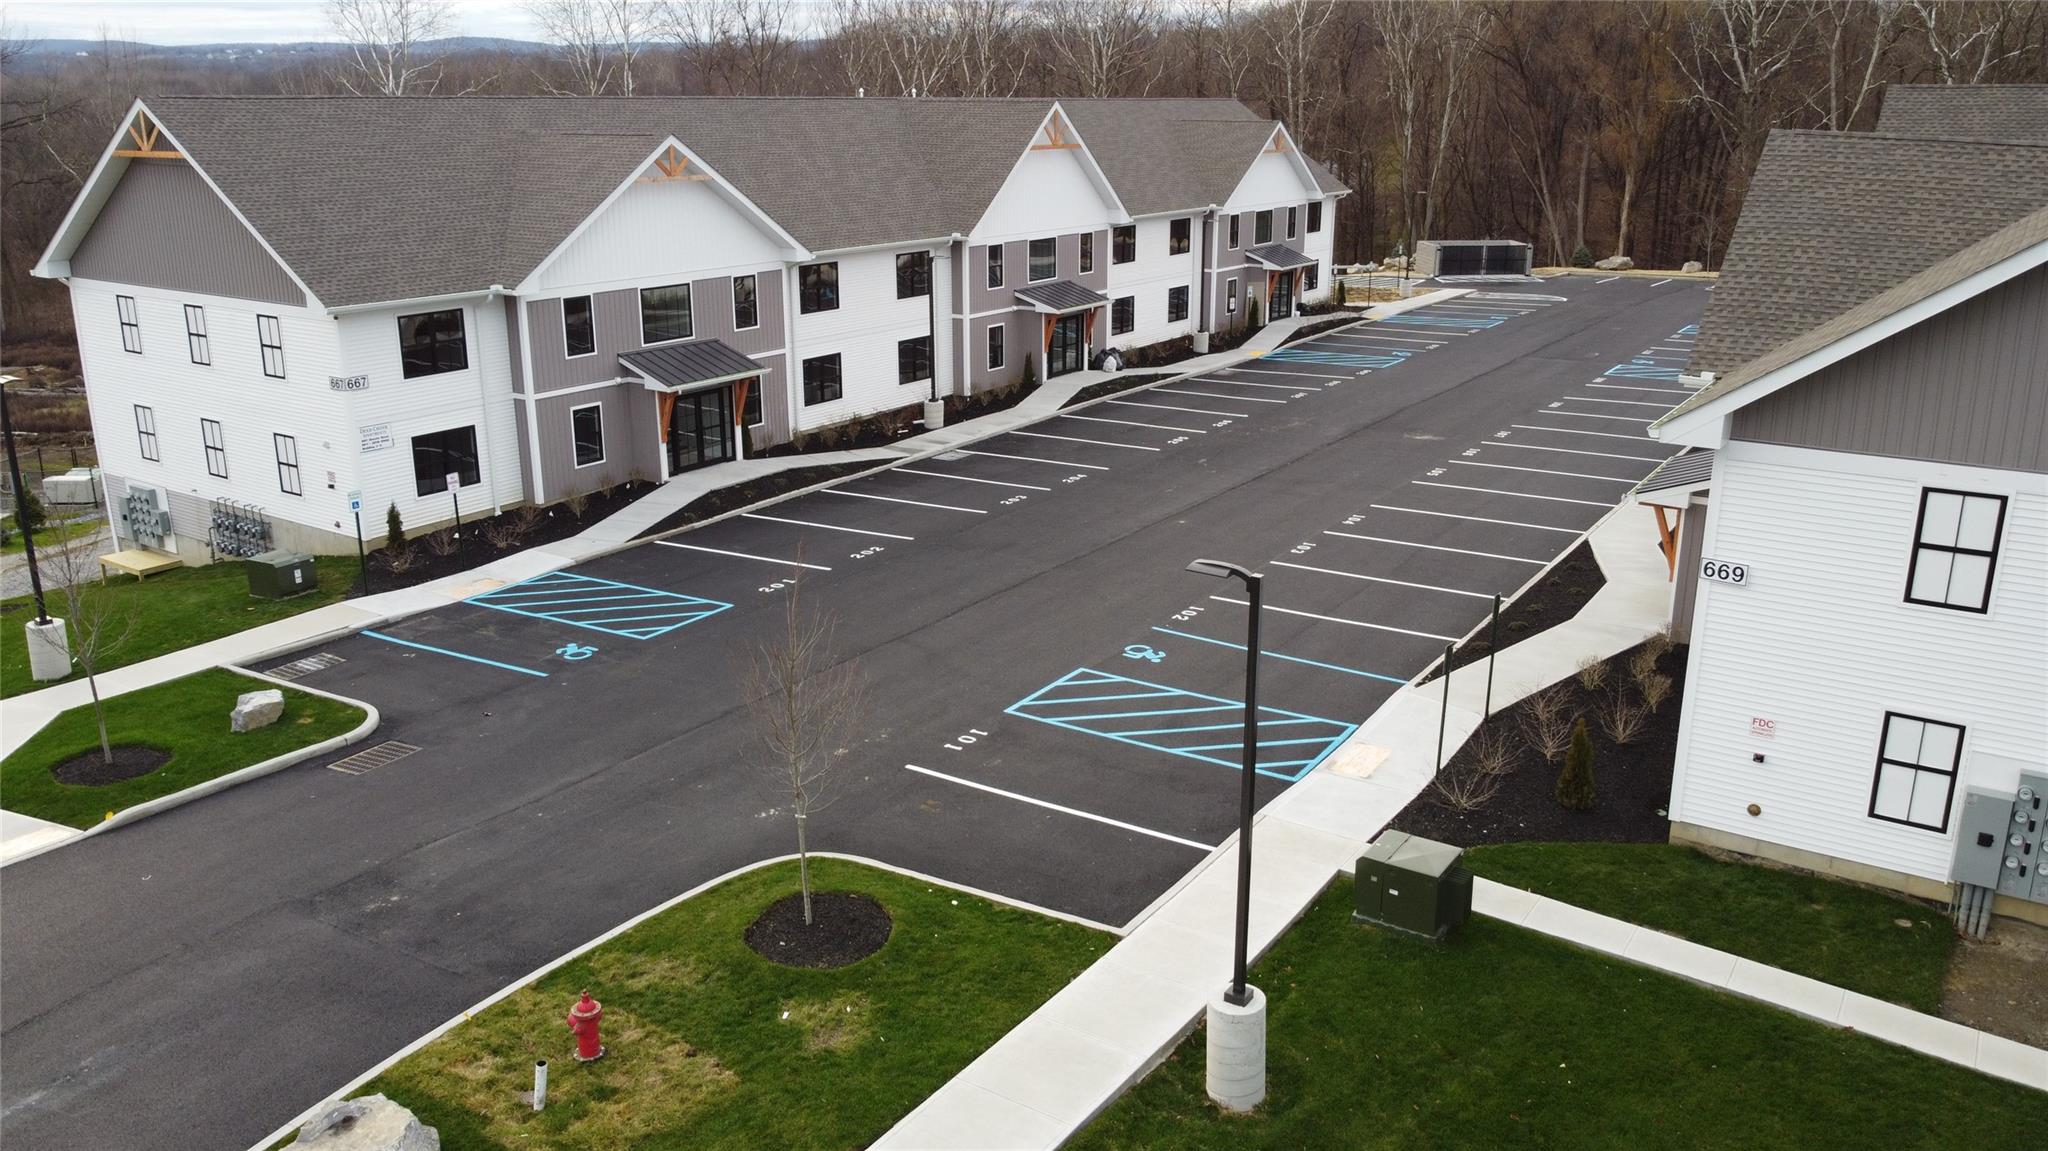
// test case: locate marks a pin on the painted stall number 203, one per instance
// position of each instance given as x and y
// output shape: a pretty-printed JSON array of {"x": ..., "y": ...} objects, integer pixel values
[
  {"x": 973, "y": 735},
  {"x": 864, "y": 552}
]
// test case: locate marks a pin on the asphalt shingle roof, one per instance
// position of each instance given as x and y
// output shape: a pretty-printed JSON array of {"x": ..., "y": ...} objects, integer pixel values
[
  {"x": 372, "y": 199},
  {"x": 1971, "y": 111}
]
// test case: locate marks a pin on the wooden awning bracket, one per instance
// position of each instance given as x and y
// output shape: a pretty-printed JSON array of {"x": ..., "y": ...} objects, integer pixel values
[
  {"x": 145, "y": 134},
  {"x": 1667, "y": 538}
]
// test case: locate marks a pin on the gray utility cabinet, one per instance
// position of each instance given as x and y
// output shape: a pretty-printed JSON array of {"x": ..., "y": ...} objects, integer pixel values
[
  {"x": 281, "y": 575},
  {"x": 1414, "y": 885},
  {"x": 2000, "y": 839}
]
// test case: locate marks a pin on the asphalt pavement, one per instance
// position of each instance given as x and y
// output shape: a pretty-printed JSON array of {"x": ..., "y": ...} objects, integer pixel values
[{"x": 1052, "y": 712}]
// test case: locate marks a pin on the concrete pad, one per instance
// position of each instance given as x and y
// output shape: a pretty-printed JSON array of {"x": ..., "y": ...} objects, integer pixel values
[
  {"x": 1128, "y": 1010},
  {"x": 1499, "y": 901},
  {"x": 1797, "y": 993},
  {"x": 2018, "y": 1062},
  {"x": 1282, "y": 841},
  {"x": 967, "y": 1117},
  {"x": 1055, "y": 1070},
  {"x": 1907, "y": 1028},
  {"x": 1681, "y": 957},
  {"x": 1356, "y": 759},
  {"x": 1577, "y": 925}
]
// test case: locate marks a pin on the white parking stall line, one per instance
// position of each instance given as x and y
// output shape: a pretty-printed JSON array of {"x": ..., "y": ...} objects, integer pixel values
[
  {"x": 1178, "y": 408},
  {"x": 1381, "y": 579},
  {"x": 1033, "y": 459},
  {"x": 1214, "y": 396},
  {"x": 1590, "y": 415},
  {"x": 1548, "y": 472},
  {"x": 895, "y": 500},
  {"x": 1476, "y": 309},
  {"x": 1662, "y": 348},
  {"x": 972, "y": 480},
  {"x": 1079, "y": 440},
  {"x": 1434, "y": 547},
  {"x": 1278, "y": 372},
  {"x": 1608, "y": 280},
  {"x": 1252, "y": 384},
  {"x": 1662, "y": 282},
  {"x": 1579, "y": 432},
  {"x": 1476, "y": 519},
  {"x": 1630, "y": 403},
  {"x": 1368, "y": 335},
  {"x": 1640, "y": 388},
  {"x": 1574, "y": 451},
  {"x": 1062, "y": 809},
  {"x": 1395, "y": 321},
  {"x": 744, "y": 556},
  {"x": 1337, "y": 619},
  {"x": 827, "y": 527},
  {"x": 1136, "y": 424},
  {"x": 1505, "y": 492}
]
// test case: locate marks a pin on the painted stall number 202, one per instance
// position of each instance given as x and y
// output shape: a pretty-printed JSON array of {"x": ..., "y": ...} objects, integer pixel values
[{"x": 973, "y": 735}]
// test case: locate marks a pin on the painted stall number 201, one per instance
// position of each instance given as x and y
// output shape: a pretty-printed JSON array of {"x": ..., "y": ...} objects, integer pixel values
[
  {"x": 864, "y": 552},
  {"x": 973, "y": 735}
]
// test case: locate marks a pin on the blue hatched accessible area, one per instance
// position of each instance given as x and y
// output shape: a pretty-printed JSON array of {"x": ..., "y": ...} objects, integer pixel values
[
  {"x": 1181, "y": 722},
  {"x": 1431, "y": 320},
  {"x": 600, "y": 604},
  {"x": 1641, "y": 369},
  {"x": 1388, "y": 359}
]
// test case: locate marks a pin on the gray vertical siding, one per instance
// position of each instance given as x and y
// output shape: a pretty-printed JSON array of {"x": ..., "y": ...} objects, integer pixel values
[
  {"x": 1692, "y": 534},
  {"x": 981, "y": 297},
  {"x": 616, "y": 316},
  {"x": 625, "y": 423},
  {"x": 1967, "y": 386},
  {"x": 164, "y": 228}
]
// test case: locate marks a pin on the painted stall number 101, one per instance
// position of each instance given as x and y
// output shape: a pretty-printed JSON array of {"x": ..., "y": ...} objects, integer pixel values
[{"x": 974, "y": 735}]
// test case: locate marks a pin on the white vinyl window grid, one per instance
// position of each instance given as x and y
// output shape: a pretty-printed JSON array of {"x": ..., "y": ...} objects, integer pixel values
[
  {"x": 131, "y": 327},
  {"x": 272, "y": 341},
  {"x": 1955, "y": 550},
  {"x": 996, "y": 350},
  {"x": 288, "y": 480},
  {"x": 145, "y": 432},
  {"x": 588, "y": 307},
  {"x": 1917, "y": 762},
  {"x": 216, "y": 448},
  {"x": 577, "y": 441},
  {"x": 196, "y": 343},
  {"x": 753, "y": 297}
]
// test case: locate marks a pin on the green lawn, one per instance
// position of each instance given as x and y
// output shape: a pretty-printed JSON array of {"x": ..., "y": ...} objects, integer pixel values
[
  {"x": 187, "y": 717},
  {"x": 712, "y": 1046},
  {"x": 1832, "y": 931},
  {"x": 174, "y": 610},
  {"x": 51, "y": 533},
  {"x": 1503, "y": 1038}
]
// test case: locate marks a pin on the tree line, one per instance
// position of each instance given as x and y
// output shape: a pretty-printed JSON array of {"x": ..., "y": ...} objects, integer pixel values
[{"x": 1620, "y": 127}]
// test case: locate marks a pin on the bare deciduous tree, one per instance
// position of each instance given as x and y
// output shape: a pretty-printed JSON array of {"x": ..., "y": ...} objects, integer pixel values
[
  {"x": 1101, "y": 47},
  {"x": 806, "y": 708},
  {"x": 1969, "y": 41},
  {"x": 96, "y": 624},
  {"x": 385, "y": 41},
  {"x": 741, "y": 47},
  {"x": 596, "y": 41}
]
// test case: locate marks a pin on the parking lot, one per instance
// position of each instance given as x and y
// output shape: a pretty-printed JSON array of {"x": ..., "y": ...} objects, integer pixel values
[{"x": 1054, "y": 703}]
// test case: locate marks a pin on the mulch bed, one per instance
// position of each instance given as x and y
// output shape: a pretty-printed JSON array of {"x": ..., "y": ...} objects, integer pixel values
[
  {"x": 725, "y": 499},
  {"x": 131, "y": 761},
  {"x": 552, "y": 523},
  {"x": 1632, "y": 783},
  {"x": 1557, "y": 597},
  {"x": 1113, "y": 385},
  {"x": 845, "y": 928}
]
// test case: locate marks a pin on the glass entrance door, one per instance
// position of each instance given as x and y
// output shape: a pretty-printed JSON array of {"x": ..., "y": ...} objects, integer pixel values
[
  {"x": 700, "y": 430},
  {"x": 1281, "y": 305},
  {"x": 1067, "y": 353}
]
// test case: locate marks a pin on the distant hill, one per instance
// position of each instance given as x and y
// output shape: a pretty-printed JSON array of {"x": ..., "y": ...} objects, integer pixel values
[{"x": 259, "y": 53}]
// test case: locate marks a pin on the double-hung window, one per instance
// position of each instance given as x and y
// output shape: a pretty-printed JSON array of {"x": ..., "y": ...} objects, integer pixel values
[
  {"x": 1230, "y": 296},
  {"x": 1087, "y": 252},
  {"x": 216, "y": 448},
  {"x": 586, "y": 432},
  {"x": 1176, "y": 304},
  {"x": 430, "y": 343},
  {"x": 1315, "y": 215},
  {"x": 1916, "y": 771},
  {"x": 822, "y": 383},
  {"x": 665, "y": 314},
  {"x": 1123, "y": 244},
  {"x": 817, "y": 287},
  {"x": 1177, "y": 236},
  {"x": 750, "y": 412},
  {"x": 1233, "y": 231},
  {"x": 913, "y": 275},
  {"x": 1123, "y": 315},
  {"x": 995, "y": 346},
  {"x": 914, "y": 360},
  {"x": 1311, "y": 277},
  {"x": 1262, "y": 227},
  {"x": 145, "y": 432},
  {"x": 287, "y": 448},
  {"x": 1955, "y": 550},
  {"x": 272, "y": 342},
  {"x": 746, "y": 304},
  {"x": 1292, "y": 219},
  {"x": 438, "y": 455},
  {"x": 579, "y": 327},
  {"x": 995, "y": 265},
  {"x": 195, "y": 335},
  {"x": 1045, "y": 260},
  {"x": 131, "y": 327}
]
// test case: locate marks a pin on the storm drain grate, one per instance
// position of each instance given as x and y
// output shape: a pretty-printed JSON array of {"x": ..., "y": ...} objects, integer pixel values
[
  {"x": 306, "y": 666},
  {"x": 371, "y": 758}
]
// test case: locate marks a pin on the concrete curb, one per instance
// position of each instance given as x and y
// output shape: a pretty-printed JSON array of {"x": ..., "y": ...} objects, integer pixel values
[
  {"x": 582, "y": 949},
  {"x": 127, "y": 815}
]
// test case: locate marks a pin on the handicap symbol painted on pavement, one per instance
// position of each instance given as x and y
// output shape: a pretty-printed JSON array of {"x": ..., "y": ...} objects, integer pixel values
[
  {"x": 576, "y": 651},
  {"x": 1140, "y": 651}
]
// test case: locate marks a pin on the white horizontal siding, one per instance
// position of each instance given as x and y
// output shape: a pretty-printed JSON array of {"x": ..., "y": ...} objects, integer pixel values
[
  {"x": 1146, "y": 280},
  {"x": 1048, "y": 193},
  {"x": 1821, "y": 641},
  {"x": 864, "y": 331},
  {"x": 662, "y": 233},
  {"x": 1322, "y": 245},
  {"x": 1274, "y": 180}
]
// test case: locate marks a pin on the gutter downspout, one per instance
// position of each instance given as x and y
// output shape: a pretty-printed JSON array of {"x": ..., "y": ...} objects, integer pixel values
[
  {"x": 526, "y": 393},
  {"x": 483, "y": 400}
]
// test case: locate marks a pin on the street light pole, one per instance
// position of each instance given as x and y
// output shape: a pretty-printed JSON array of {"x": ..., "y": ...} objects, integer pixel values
[
  {"x": 28, "y": 535},
  {"x": 1247, "y": 789}
]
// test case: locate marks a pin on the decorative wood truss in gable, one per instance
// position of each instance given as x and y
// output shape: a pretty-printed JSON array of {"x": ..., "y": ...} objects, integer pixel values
[
  {"x": 1277, "y": 146},
  {"x": 672, "y": 164},
  {"x": 1056, "y": 138},
  {"x": 145, "y": 133}
]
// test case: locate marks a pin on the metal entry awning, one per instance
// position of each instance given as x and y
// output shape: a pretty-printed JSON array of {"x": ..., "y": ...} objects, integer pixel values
[
  {"x": 1060, "y": 297},
  {"x": 1280, "y": 257},
  {"x": 1678, "y": 479},
  {"x": 692, "y": 367}
]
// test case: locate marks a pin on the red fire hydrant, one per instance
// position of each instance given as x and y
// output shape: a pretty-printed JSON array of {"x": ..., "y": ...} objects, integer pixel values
[{"x": 583, "y": 1019}]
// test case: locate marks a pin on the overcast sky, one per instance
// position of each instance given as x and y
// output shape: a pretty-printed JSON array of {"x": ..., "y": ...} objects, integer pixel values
[{"x": 225, "y": 21}]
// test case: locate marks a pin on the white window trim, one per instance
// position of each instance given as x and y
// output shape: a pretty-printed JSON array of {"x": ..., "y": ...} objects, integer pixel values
[
  {"x": 603, "y": 451},
  {"x": 1031, "y": 279},
  {"x": 641, "y": 299},
  {"x": 988, "y": 348},
  {"x": 566, "y": 354},
  {"x": 1232, "y": 229},
  {"x": 993, "y": 260},
  {"x": 760, "y": 402},
  {"x": 1293, "y": 221},
  {"x": 755, "y": 326},
  {"x": 1086, "y": 257},
  {"x": 1230, "y": 296}
]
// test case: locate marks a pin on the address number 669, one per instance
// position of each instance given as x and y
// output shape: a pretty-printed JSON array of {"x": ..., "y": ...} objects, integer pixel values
[{"x": 1724, "y": 571}]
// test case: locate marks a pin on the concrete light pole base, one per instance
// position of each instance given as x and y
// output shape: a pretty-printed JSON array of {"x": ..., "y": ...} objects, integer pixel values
[
  {"x": 49, "y": 650},
  {"x": 1237, "y": 1051},
  {"x": 934, "y": 415}
]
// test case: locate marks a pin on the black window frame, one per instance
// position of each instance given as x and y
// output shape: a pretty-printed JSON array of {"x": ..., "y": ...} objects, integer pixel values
[
  {"x": 814, "y": 389},
  {"x": 910, "y": 355},
  {"x": 1235, "y": 217},
  {"x": 145, "y": 433},
  {"x": 1311, "y": 278},
  {"x": 1990, "y": 557},
  {"x": 1262, "y": 226},
  {"x": 1087, "y": 252},
  {"x": 1918, "y": 769},
  {"x": 913, "y": 275},
  {"x": 1179, "y": 236},
  {"x": 1315, "y": 216},
  {"x": 997, "y": 352},
  {"x": 270, "y": 342},
  {"x": 1051, "y": 259},
  {"x": 576, "y": 442},
  {"x": 1123, "y": 315},
  {"x": 1176, "y": 304},
  {"x": 817, "y": 288},
  {"x": 197, "y": 343},
  {"x": 1123, "y": 244},
  {"x": 1293, "y": 221},
  {"x": 286, "y": 447},
  {"x": 469, "y": 468},
  {"x": 585, "y": 326},
  {"x": 131, "y": 324},
  {"x": 435, "y": 362},
  {"x": 752, "y": 305},
  {"x": 688, "y": 312},
  {"x": 995, "y": 265},
  {"x": 215, "y": 440}
]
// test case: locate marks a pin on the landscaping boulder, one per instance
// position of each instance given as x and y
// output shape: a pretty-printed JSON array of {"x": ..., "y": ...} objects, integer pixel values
[
  {"x": 254, "y": 709},
  {"x": 372, "y": 1123},
  {"x": 1615, "y": 264},
  {"x": 1693, "y": 266}
]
